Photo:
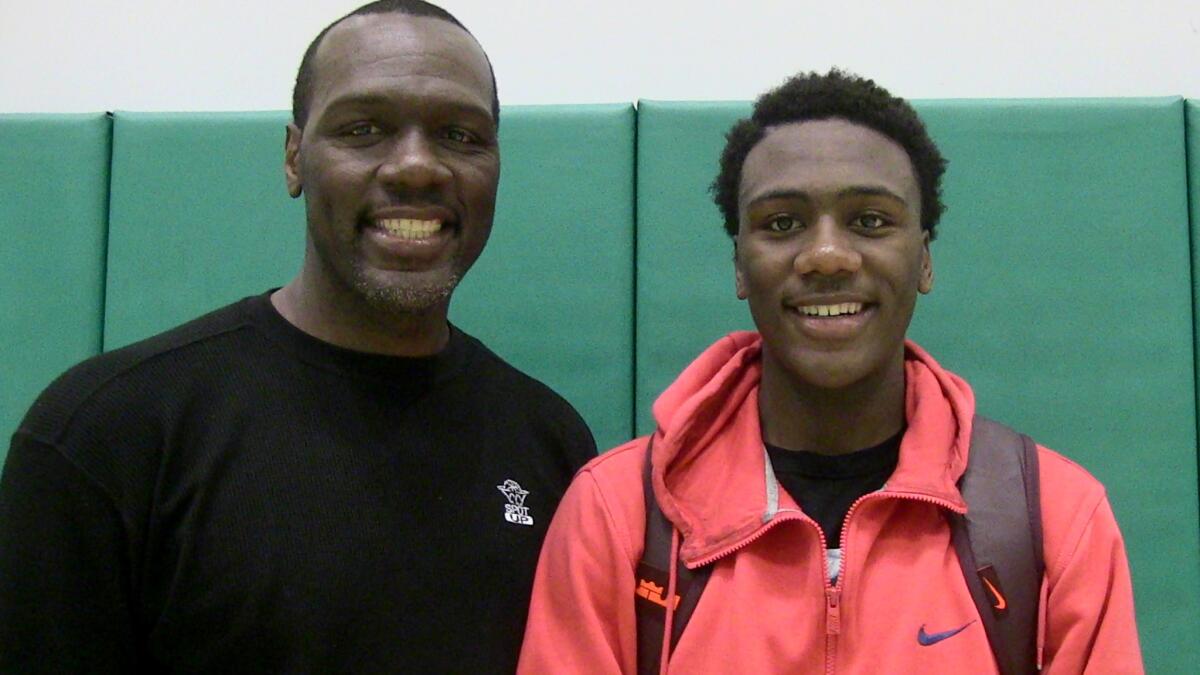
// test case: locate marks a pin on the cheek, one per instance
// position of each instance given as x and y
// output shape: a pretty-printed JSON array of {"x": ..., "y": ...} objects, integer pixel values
[
  {"x": 480, "y": 184},
  {"x": 333, "y": 172},
  {"x": 903, "y": 267},
  {"x": 766, "y": 271}
]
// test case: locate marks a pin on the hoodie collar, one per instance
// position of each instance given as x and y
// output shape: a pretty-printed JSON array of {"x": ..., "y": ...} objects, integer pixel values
[{"x": 710, "y": 470}]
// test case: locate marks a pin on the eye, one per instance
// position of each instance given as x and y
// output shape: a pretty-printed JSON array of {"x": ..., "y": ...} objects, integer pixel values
[
  {"x": 459, "y": 135},
  {"x": 782, "y": 223},
  {"x": 871, "y": 221},
  {"x": 361, "y": 130}
]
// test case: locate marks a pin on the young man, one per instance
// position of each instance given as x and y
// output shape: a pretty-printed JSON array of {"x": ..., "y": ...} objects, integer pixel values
[
  {"x": 813, "y": 467},
  {"x": 324, "y": 478}
]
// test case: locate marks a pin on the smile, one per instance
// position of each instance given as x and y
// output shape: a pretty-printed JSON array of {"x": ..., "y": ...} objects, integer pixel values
[
  {"x": 410, "y": 228},
  {"x": 841, "y": 309}
]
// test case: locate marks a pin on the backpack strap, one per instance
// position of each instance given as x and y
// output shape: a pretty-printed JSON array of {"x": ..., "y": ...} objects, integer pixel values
[
  {"x": 999, "y": 541},
  {"x": 653, "y": 581}
]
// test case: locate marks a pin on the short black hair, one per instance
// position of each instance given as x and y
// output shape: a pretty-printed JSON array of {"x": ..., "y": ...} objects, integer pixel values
[
  {"x": 834, "y": 95},
  {"x": 302, "y": 93}
]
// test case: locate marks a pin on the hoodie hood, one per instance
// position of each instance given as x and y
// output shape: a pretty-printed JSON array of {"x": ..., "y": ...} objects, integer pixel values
[{"x": 710, "y": 470}]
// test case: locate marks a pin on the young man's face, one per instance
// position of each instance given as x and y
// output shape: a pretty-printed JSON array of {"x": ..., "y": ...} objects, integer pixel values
[
  {"x": 830, "y": 252},
  {"x": 398, "y": 160}
]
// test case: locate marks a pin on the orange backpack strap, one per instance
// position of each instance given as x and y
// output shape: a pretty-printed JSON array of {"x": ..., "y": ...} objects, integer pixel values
[{"x": 653, "y": 580}]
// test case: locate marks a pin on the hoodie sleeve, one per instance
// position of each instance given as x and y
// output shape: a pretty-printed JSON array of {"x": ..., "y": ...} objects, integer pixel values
[
  {"x": 581, "y": 618},
  {"x": 1090, "y": 625}
]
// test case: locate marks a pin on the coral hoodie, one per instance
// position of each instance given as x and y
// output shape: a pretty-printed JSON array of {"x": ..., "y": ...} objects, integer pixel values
[{"x": 768, "y": 606}]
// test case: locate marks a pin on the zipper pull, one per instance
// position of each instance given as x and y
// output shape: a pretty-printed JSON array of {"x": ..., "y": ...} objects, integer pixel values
[{"x": 833, "y": 611}]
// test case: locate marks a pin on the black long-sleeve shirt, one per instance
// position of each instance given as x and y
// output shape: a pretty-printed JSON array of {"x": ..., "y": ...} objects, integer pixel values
[{"x": 237, "y": 496}]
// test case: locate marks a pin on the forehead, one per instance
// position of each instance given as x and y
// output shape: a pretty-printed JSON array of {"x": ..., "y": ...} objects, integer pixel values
[
  {"x": 385, "y": 53},
  {"x": 826, "y": 156}
]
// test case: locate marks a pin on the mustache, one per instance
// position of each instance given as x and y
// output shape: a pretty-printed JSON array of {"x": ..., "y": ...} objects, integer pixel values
[
  {"x": 415, "y": 201},
  {"x": 425, "y": 201},
  {"x": 828, "y": 286}
]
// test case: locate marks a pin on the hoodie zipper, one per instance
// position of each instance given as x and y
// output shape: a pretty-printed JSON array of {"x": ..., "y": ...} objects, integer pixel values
[{"x": 833, "y": 593}]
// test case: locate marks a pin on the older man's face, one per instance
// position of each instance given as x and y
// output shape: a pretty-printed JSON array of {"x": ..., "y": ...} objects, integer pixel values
[{"x": 398, "y": 160}]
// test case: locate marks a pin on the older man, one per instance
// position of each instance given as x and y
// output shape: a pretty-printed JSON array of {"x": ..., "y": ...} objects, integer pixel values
[{"x": 328, "y": 477}]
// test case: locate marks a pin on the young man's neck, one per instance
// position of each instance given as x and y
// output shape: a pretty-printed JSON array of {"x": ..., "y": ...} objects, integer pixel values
[
  {"x": 831, "y": 421},
  {"x": 347, "y": 320}
]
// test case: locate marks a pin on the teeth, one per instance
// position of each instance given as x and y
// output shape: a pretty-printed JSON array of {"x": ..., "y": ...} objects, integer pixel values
[
  {"x": 410, "y": 228},
  {"x": 831, "y": 310}
]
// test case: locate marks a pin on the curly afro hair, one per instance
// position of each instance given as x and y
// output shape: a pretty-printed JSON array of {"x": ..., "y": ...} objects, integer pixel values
[{"x": 841, "y": 95}]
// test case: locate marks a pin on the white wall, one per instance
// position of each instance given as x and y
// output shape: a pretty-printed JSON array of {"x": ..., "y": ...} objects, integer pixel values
[{"x": 242, "y": 54}]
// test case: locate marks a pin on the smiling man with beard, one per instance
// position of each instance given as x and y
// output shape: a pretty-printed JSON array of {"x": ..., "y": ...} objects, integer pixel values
[
  {"x": 807, "y": 476},
  {"x": 328, "y": 477}
]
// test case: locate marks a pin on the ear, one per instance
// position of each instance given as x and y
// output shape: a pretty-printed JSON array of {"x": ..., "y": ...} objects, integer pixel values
[
  {"x": 291, "y": 160},
  {"x": 926, "y": 283},
  {"x": 739, "y": 279}
]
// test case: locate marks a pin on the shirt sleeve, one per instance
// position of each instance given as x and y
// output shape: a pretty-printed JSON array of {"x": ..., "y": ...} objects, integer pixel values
[
  {"x": 64, "y": 574},
  {"x": 581, "y": 618}
]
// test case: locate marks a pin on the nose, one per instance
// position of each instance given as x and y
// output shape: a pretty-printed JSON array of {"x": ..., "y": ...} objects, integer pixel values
[
  {"x": 414, "y": 163},
  {"x": 828, "y": 250}
]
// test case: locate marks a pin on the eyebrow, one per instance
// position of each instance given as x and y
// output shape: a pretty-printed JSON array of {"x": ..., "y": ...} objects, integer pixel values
[
  {"x": 852, "y": 191},
  {"x": 369, "y": 99}
]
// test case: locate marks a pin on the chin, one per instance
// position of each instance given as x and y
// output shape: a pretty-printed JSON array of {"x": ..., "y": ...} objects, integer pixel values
[
  {"x": 829, "y": 380},
  {"x": 414, "y": 294},
  {"x": 831, "y": 371}
]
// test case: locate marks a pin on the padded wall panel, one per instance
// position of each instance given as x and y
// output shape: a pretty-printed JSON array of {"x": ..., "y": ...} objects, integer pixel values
[
  {"x": 53, "y": 208},
  {"x": 1063, "y": 294},
  {"x": 553, "y": 290},
  {"x": 685, "y": 293},
  {"x": 201, "y": 217}
]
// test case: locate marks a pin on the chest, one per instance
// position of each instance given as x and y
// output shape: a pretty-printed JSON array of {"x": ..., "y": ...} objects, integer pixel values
[{"x": 338, "y": 527}]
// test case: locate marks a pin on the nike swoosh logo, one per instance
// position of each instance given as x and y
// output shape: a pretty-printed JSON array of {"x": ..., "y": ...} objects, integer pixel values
[
  {"x": 927, "y": 639},
  {"x": 1001, "y": 603}
]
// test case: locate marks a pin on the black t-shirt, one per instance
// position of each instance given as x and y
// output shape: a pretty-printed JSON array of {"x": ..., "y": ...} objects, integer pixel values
[
  {"x": 826, "y": 486},
  {"x": 237, "y": 496}
]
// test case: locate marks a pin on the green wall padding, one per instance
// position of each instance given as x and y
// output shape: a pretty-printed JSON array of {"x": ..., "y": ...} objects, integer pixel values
[
  {"x": 201, "y": 217},
  {"x": 553, "y": 290},
  {"x": 685, "y": 292},
  {"x": 1063, "y": 294},
  {"x": 53, "y": 208}
]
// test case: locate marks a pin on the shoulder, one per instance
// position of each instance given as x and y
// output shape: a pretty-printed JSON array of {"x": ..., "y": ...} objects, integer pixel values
[
  {"x": 1065, "y": 485},
  {"x": 103, "y": 386},
  {"x": 604, "y": 506},
  {"x": 528, "y": 397},
  {"x": 619, "y": 468},
  {"x": 1071, "y": 499},
  {"x": 482, "y": 361}
]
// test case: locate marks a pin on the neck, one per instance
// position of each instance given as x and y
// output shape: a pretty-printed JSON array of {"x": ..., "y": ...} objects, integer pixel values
[
  {"x": 831, "y": 421},
  {"x": 344, "y": 318}
]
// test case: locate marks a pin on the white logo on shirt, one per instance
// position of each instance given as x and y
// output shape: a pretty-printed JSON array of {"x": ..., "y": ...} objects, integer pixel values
[{"x": 515, "y": 510}]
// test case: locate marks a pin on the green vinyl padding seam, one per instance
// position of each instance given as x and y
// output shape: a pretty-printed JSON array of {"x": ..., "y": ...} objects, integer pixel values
[
  {"x": 1063, "y": 294},
  {"x": 201, "y": 217},
  {"x": 53, "y": 208},
  {"x": 1192, "y": 130}
]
